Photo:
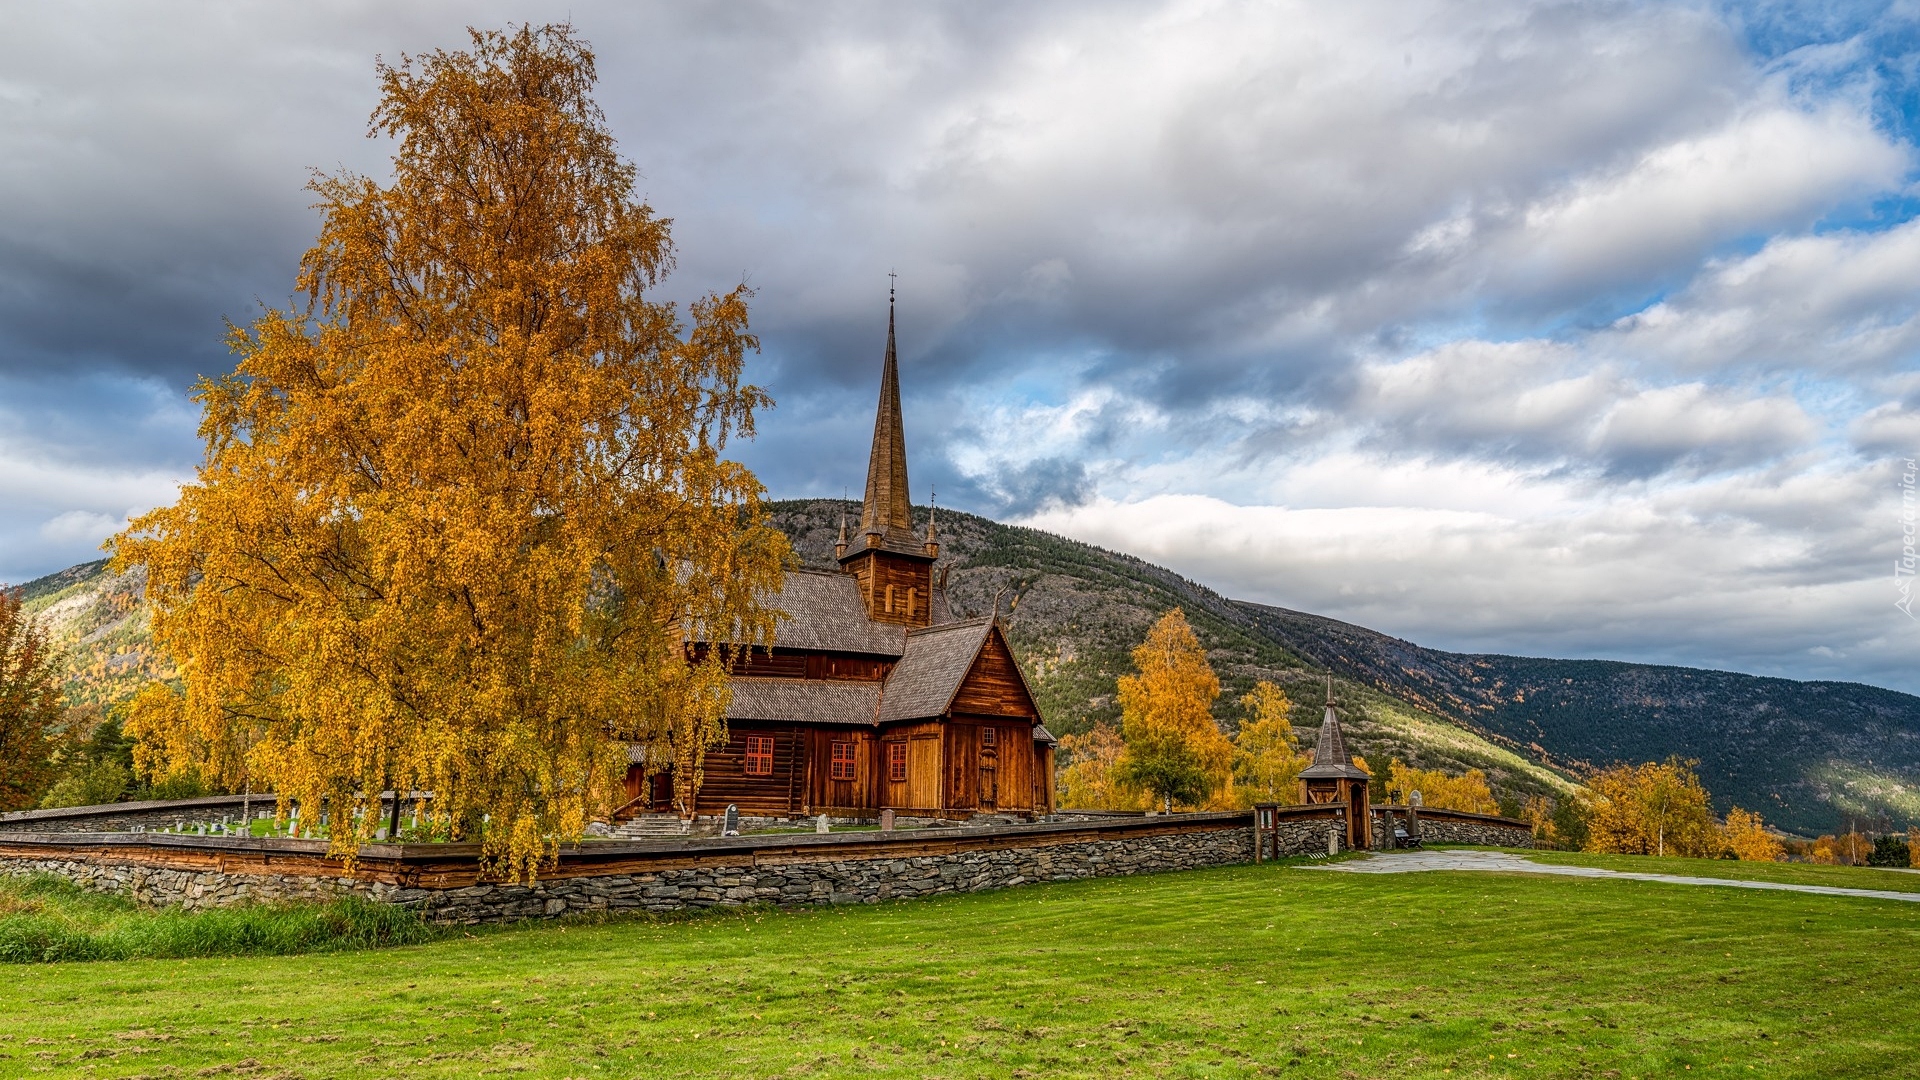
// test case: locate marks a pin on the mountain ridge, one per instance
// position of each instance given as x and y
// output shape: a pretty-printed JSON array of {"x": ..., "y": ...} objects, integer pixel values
[{"x": 1808, "y": 755}]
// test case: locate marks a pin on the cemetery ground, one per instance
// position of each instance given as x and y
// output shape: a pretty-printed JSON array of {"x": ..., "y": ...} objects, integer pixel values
[{"x": 1248, "y": 971}]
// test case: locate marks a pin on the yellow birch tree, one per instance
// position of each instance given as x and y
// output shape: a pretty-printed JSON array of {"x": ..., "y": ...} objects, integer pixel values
[
  {"x": 1091, "y": 779},
  {"x": 1748, "y": 839},
  {"x": 1175, "y": 749},
  {"x": 1468, "y": 792},
  {"x": 1657, "y": 808},
  {"x": 30, "y": 707},
  {"x": 457, "y": 512},
  {"x": 1267, "y": 761}
]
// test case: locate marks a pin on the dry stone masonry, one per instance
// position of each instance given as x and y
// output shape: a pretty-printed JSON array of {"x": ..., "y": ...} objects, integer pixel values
[{"x": 440, "y": 880}]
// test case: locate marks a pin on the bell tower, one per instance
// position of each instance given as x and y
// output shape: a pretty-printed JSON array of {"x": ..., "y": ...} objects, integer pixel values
[{"x": 894, "y": 567}]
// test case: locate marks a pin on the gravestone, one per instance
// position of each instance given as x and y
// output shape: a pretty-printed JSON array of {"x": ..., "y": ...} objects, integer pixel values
[
  {"x": 732, "y": 827},
  {"x": 1333, "y": 841},
  {"x": 886, "y": 821},
  {"x": 820, "y": 826}
]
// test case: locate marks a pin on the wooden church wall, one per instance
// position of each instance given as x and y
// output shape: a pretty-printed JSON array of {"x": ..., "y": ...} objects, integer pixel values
[
  {"x": 726, "y": 780},
  {"x": 993, "y": 687},
  {"x": 827, "y": 795},
  {"x": 990, "y": 778},
  {"x": 921, "y": 791}
]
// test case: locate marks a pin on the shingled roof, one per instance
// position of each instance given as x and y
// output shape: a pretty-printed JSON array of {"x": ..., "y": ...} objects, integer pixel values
[
  {"x": 929, "y": 674},
  {"x": 1330, "y": 757},
  {"x": 816, "y": 701},
  {"x": 824, "y": 612}
]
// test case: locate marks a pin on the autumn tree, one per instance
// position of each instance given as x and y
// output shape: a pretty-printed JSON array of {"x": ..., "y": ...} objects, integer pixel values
[
  {"x": 1175, "y": 748},
  {"x": 1746, "y": 836},
  {"x": 459, "y": 510},
  {"x": 1440, "y": 790},
  {"x": 1846, "y": 849},
  {"x": 30, "y": 703},
  {"x": 1266, "y": 760},
  {"x": 1091, "y": 779},
  {"x": 1656, "y": 808}
]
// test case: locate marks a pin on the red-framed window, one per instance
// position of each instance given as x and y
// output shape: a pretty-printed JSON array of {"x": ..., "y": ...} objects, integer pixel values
[
  {"x": 841, "y": 768},
  {"x": 897, "y": 762},
  {"x": 987, "y": 736},
  {"x": 759, "y": 755}
]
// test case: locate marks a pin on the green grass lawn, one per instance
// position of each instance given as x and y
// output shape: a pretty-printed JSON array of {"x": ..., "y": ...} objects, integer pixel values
[
  {"x": 1250, "y": 971},
  {"x": 1844, "y": 877}
]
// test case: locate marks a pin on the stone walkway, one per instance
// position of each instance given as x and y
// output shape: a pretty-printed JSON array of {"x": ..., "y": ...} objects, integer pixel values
[{"x": 1410, "y": 862}]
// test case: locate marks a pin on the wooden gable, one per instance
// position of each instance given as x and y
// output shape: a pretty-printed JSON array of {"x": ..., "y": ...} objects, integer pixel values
[{"x": 994, "y": 684}]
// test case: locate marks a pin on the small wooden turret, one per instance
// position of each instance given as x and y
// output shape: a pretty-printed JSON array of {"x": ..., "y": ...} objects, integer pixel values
[{"x": 1333, "y": 778}]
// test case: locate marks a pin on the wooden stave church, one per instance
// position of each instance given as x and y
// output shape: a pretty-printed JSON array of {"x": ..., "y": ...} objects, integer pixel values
[{"x": 872, "y": 696}]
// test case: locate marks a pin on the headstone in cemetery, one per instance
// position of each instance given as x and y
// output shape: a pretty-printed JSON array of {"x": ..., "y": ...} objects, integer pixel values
[
  {"x": 886, "y": 821},
  {"x": 1333, "y": 841},
  {"x": 820, "y": 826},
  {"x": 733, "y": 821}
]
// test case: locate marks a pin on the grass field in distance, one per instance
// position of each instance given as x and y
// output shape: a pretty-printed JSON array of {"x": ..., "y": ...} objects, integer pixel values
[{"x": 1249, "y": 971}]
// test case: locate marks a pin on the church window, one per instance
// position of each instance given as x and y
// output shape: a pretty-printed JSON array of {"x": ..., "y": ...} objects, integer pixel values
[
  {"x": 841, "y": 768},
  {"x": 912, "y": 595},
  {"x": 897, "y": 762},
  {"x": 889, "y": 599},
  {"x": 759, "y": 755},
  {"x": 987, "y": 736}
]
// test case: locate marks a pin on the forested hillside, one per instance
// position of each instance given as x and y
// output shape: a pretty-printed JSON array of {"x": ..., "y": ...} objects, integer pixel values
[{"x": 1803, "y": 754}]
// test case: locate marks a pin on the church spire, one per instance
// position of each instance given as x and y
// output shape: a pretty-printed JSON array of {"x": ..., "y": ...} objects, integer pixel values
[{"x": 886, "y": 513}]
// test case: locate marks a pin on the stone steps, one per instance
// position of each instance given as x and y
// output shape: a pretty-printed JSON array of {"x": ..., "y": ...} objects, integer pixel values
[{"x": 652, "y": 827}]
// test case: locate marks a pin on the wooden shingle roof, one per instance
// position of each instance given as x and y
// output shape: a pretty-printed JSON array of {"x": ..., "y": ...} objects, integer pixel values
[
  {"x": 815, "y": 701},
  {"x": 824, "y": 612},
  {"x": 937, "y": 659},
  {"x": 1330, "y": 757}
]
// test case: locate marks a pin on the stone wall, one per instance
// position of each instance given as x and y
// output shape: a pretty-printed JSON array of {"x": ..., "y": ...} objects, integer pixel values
[
  {"x": 147, "y": 816},
  {"x": 442, "y": 880},
  {"x": 131, "y": 816},
  {"x": 200, "y": 872},
  {"x": 836, "y": 881},
  {"x": 1451, "y": 827}
]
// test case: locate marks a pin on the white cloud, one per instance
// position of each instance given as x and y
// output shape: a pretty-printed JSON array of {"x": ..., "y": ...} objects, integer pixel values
[{"x": 1323, "y": 301}]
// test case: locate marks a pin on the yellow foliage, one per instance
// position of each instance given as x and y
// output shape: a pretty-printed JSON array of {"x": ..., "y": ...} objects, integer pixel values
[
  {"x": 1658, "y": 808},
  {"x": 1091, "y": 778},
  {"x": 1174, "y": 747},
  {"x": 455, "y": 515},
  {"x": 1538, "y": 812},
  {"x": 1847, "y": 849},
  {"x": 1266, "y": 763},
  {"x": 30, "y": 707},
  {"x": 1468, "y": 792},
  {"x": 1746, "y": 837},
  {"x": 1913, "y": 846}
]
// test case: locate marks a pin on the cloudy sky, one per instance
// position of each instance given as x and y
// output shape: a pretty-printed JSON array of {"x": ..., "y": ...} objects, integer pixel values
[{"x": 1568, "y": 329}]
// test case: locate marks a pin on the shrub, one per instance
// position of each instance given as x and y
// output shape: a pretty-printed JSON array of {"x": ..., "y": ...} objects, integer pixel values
[{"x": 89, "y": 782}]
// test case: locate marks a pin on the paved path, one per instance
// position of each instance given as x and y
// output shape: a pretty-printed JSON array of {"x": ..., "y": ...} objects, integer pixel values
[{"x": 1409, "y": 862}]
